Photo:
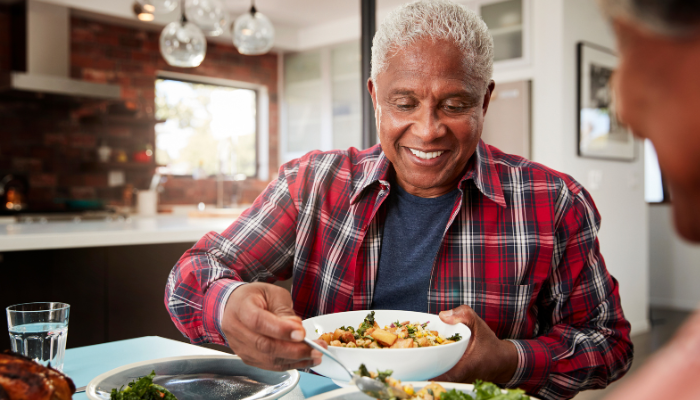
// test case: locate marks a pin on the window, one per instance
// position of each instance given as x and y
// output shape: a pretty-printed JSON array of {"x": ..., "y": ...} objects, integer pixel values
[
  {"x": 654, "y": 185},
  {"x": 208, "y": 129}
]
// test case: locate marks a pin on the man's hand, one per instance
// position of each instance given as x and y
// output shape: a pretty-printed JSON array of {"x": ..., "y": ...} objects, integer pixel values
[
  {"x": 260, "y": 327},
  {"x": 487, "y": 357}
]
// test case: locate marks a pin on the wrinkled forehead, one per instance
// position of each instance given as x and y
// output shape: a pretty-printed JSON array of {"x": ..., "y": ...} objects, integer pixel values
[{"x": 428, "y": 60}]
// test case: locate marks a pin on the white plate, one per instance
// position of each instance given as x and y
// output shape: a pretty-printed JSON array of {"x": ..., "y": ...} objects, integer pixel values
[
  {"x": 415, "y": 364},
  {"x": 200, "y": 377},
  {"x": 352, "y": 393}
]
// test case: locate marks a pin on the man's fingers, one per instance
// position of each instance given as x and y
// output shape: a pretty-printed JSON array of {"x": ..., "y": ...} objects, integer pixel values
[
  {"x": 279, "y": 302},
  {"x": 248, "y": 341},
  {"x": 463, "y": 314},
  {"x": 273, "y": 326}
]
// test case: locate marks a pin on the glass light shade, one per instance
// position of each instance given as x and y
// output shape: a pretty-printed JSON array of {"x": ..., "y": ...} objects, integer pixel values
[
  {"x": 253, "y": 33},
  {"x": 158, "y": 6},
  {"x": 209, "y": 15},
  {"x": 183, "y": 44}
]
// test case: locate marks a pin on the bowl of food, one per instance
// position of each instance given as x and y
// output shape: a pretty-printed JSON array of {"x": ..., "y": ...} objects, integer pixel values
[{"x": 415, "y": 346}]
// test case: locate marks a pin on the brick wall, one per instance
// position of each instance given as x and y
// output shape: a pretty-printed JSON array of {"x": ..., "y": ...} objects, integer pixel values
[{"x": 54, "y": 142}]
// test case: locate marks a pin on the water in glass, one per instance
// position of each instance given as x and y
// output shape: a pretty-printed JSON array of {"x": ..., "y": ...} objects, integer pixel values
[
  {"x": 39, "y": 331},
  {"x": 45, "y": 343}
]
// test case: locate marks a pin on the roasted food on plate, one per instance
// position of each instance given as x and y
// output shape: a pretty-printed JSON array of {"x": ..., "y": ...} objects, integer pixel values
[
  {"x": 22, "y": 378},
  {"x": 398, "y": 335},
  {"x": 435, "y": 391}
]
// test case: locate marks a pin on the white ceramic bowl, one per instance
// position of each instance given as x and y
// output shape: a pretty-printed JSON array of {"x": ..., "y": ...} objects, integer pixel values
[{"x": 416, "y": 364}]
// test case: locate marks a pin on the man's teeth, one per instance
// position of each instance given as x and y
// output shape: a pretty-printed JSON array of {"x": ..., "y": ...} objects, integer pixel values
[{"x": 426, "y": 156}]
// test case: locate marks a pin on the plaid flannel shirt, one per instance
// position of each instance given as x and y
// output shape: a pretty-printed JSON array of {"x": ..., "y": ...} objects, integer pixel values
[{"x": 520, "y": 248}]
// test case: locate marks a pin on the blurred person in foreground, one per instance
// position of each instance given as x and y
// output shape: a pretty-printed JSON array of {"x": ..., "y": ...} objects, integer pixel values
[
  {"x": 430, "y": 220},
  {"x": 657, "y": 91}
]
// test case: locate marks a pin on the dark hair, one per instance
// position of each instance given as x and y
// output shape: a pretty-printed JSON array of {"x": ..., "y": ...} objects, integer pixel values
[{"x": 675, "y": 17}]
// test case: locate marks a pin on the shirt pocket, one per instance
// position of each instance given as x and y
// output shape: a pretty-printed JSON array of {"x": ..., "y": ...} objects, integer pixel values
[{"x": 509, "y": 310}]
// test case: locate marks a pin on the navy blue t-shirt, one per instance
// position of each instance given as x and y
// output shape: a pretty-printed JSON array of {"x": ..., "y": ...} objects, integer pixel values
[{"x": 413, "y": 232}]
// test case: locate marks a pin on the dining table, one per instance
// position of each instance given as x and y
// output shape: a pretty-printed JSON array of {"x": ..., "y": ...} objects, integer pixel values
[{"x": 82, "y": 364}]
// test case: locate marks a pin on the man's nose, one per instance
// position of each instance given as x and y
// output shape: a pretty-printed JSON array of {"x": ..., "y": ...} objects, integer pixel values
[{"x": 428, "y": 125}]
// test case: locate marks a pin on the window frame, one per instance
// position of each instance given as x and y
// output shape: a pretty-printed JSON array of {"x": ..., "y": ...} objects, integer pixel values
[{"x": 262, "y": 123}]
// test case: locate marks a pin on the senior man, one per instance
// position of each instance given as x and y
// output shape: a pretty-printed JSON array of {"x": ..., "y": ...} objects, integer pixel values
[
  {"x": 432, "y": 220},
  {"x": 657, "y": 87}
]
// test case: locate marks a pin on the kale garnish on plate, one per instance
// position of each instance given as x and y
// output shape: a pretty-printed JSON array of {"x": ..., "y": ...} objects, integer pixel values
[
  {"x": 142, "y": 389},
  {"x": 485, "y": 391}
]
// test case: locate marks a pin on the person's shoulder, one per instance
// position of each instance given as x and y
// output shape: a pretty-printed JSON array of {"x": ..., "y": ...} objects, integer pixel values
[{"x": 532, "y": 172}]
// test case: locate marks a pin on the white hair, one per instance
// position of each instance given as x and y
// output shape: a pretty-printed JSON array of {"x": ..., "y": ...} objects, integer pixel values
[
  {"x": 436, "y": 20},
  {"x": 666, "y": 17}
]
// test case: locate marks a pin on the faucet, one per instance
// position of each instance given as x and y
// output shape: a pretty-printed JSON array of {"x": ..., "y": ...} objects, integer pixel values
[{"x": 220, "y": 190}]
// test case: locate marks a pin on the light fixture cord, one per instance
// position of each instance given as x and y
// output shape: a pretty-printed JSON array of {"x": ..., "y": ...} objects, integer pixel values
[
  {"x": 252, "y": 7},
  {"x": 183, "y": 18}
]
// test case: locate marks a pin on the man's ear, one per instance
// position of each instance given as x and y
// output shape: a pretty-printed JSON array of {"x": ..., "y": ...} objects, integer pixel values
[
  {"x": 372, "y": 92},
  {"x": 487, "y": 96}
]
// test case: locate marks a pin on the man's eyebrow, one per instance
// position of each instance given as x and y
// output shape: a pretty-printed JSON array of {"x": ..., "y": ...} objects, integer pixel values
[
  {"x": 459, "y": 93},
  {"x": 401, "y": 92}
]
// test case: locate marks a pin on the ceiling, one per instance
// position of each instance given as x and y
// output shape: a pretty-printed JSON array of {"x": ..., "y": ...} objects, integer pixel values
[
  {"x": 299, "y": 24},
  {"x": 305, "y": 13}
]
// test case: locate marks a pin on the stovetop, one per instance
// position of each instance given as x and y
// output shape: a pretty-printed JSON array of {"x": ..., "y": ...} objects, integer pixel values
[{"x": 75, "y": 217}]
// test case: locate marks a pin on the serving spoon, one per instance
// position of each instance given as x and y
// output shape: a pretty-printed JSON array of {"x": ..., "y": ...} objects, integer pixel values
[{"x": 367, "y": 385}]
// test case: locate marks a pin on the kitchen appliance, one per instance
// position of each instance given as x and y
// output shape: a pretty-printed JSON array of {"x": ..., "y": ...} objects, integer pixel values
[{"x": 40, "y": 49}]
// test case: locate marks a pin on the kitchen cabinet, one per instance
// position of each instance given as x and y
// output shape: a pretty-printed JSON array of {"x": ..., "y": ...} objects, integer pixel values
[
  {"x": 73, "y": 276},
  {"x": 509, "y": 24},
  {"x": 115, "y": 292}
]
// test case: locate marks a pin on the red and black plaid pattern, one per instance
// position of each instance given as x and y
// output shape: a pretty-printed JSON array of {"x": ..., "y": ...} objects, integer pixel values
[{"x": 520, "y": 248}]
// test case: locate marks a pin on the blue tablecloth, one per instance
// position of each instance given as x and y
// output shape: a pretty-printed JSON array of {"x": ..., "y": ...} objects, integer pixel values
[{"x": 84, "y": 363}]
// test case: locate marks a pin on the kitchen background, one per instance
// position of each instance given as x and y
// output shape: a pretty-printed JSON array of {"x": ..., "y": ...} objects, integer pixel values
[{"x": 307, "y": 95}]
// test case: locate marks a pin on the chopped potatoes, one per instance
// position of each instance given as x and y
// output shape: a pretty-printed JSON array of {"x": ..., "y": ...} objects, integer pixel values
[{"x": 398, "y": 335}]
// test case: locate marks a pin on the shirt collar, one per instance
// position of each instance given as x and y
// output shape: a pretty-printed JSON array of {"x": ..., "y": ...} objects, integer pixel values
[
  {"x": 374, "y": 172},
  {"x": 482, "y": 171},
  {"x": 485, "y": 175}
]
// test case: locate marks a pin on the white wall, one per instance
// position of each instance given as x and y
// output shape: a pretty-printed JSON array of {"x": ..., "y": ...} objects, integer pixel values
[
  {"x": 674, "y": 263},
  {"x": 557, "y": 26}
]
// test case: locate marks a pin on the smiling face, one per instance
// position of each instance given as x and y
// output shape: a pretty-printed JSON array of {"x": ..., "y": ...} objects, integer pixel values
[
  {"x": 657, "y": 88},
  {"x": 429, "y": 116}
]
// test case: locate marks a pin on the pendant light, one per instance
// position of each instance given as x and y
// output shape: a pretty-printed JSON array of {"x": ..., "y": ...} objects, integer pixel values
[
  {"x": 158, "y": 6},
  {"x": 253, "y": 33},
  {"x": 182, "y": 43},
  {"x": 209, "y": 15}
]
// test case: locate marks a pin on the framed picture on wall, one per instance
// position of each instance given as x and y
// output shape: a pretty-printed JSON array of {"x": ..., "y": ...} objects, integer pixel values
[{"x": 600, "y": 133}]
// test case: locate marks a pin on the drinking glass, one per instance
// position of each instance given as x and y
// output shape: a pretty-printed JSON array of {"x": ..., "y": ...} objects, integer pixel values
[{"x": 39, "y": 331}]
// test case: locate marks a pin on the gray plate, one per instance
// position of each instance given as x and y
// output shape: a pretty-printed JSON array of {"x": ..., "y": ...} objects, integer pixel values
[{"x": 200, "y": 377}]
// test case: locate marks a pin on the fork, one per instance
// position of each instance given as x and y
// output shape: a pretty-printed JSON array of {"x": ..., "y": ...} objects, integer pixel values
[{"x": 368, "y": 386}]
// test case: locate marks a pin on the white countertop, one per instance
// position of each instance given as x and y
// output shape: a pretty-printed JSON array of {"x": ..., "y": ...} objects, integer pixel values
[{"x": 134, "y": 230}]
